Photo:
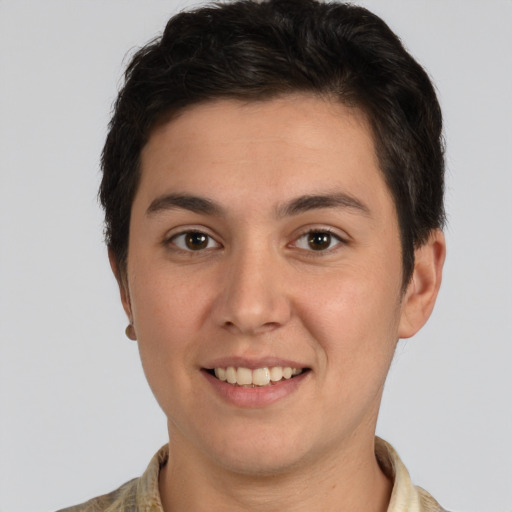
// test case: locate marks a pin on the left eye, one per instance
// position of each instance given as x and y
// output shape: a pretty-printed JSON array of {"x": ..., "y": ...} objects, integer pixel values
[
  {"x": 194, "y": 241},
  {"x": 317, "y": 241}
]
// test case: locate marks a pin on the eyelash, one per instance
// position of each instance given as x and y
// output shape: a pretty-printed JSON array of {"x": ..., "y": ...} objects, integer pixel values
[
  {"x": 334, "y": 241},
  {"x": 189, "y": 232}
]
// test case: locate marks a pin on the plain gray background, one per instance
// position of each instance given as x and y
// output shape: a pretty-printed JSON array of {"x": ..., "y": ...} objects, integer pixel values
[{"x": 77, "y": 417}]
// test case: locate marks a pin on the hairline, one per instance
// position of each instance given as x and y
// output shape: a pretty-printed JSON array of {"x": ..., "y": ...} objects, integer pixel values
[{"x": 358, "y": 110}]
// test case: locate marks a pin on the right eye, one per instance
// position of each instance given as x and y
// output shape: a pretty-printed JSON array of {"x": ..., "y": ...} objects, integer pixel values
[{"x": 194, "y": 241}]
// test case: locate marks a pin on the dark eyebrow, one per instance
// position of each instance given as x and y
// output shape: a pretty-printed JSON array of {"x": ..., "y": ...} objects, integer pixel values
[
  {"x": 316, "y": 201},
  {"x": 186, "y": 202},
  {"x": 299, "y": 205}
]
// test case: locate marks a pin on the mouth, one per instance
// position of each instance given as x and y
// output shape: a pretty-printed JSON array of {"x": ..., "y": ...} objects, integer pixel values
[{"x": 255, "y": 378}]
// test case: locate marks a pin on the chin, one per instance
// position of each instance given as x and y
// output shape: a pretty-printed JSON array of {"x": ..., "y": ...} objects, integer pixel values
[{"x": 261, "y": 451}]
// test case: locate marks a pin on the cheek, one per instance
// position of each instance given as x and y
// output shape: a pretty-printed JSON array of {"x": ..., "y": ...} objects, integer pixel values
[
  {"x": 354, "y": 319},
  {"x": 166, "y": 303},
  {"x": 168, "y": 311},
  {"x": 351, "y": 307}
]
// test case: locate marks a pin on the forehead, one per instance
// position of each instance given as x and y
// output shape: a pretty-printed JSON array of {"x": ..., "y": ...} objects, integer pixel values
[{"x": 266, "y": 151}]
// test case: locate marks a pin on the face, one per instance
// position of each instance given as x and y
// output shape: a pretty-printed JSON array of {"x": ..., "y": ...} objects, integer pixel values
[{"x": 264, "y": 243}]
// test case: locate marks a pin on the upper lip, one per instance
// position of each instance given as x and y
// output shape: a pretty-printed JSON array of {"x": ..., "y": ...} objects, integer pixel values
[{"x": 252, "y": 363}]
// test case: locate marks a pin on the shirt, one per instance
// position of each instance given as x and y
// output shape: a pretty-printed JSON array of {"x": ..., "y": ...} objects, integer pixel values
[{"x": 142, "y": 494}]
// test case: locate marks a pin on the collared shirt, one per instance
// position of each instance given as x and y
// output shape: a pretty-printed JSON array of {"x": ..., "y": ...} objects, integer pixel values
[{"x": 142, "y": 494}]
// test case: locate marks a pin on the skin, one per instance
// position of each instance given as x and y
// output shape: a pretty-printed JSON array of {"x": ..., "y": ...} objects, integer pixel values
[{"x": 259, "y": 290}]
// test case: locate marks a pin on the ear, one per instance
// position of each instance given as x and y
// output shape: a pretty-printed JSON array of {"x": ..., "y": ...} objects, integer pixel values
[
  {"x": 420, "y": 296},
  {"x": 123, "y": 285}
]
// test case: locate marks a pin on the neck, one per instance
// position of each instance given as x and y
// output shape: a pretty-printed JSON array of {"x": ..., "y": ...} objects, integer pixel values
[{"x": 348, "y": 481}]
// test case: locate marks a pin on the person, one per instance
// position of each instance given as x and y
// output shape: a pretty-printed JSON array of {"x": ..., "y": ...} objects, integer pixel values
[{"x": 273, "y": 195}]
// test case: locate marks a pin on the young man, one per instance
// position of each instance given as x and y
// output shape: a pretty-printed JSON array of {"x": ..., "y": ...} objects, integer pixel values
[{"x": 273, "y": 189}]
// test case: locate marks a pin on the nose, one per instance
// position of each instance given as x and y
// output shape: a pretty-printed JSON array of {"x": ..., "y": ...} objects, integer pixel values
[{"x": 253, "y": 298}]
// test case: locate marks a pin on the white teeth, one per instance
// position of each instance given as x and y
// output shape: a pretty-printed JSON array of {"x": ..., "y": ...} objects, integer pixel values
[
  {"x": 220, "y": 373},
  {"x": 276, "y": 373},
  {"x": 243, "y": 376},
  {"x": 259, "y": 377},
  {"x": 231, "y": 375}
]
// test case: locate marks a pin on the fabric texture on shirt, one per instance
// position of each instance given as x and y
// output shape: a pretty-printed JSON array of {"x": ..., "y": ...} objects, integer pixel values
[{"x": 142, "y": 494}]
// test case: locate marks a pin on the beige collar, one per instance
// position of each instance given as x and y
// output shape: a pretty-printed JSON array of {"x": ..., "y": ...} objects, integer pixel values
[{"x": 405, "y": 497}]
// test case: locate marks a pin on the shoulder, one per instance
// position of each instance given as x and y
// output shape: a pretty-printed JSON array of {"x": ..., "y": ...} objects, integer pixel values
[
  {"x": 139, "y": 494},
  {"x": 428, "y": 503},
  {"x": 405, "y": 495},
  {"x": 122, "y": 499}
]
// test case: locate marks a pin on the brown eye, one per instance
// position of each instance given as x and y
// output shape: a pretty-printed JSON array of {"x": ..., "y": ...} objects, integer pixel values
[
  {"x": 194, "y": 241},
  {"x": 319, "y": 241}
]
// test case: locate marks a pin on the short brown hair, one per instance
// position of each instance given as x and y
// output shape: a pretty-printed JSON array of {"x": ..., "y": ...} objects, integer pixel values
[{"x": 256, "y": 50}]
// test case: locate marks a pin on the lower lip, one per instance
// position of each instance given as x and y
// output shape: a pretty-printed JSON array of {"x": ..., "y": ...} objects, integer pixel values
[{"x": 255, "y": 397}]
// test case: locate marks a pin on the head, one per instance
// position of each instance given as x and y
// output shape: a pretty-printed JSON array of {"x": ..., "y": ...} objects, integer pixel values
[
  {"x": 256, "y": 51},
  {"x": 272, "y": 180}
]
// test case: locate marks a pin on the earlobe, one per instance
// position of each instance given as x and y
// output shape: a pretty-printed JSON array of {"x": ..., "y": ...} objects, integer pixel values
[
  {"x": 123, "y": 285},
  {"x": 420, "y": 296}
]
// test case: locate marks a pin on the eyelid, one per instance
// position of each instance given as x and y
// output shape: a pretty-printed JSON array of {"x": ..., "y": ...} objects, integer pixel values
[
  {"x": 170, "y": 238},
  {"x": 342, "y": 239}
]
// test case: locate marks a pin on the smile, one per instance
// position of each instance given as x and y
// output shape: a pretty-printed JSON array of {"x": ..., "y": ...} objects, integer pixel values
[{"x": 259, "y": 377}]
